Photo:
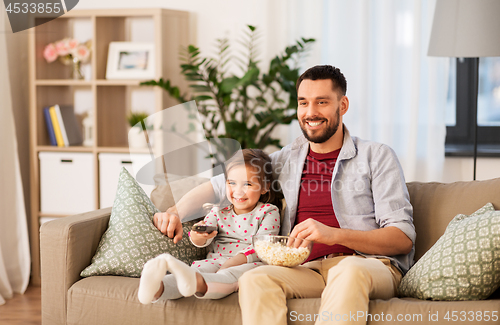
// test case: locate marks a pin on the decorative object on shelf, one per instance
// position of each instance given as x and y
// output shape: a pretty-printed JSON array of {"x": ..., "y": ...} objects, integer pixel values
[
  {"x": 70, "y": 52},
  {"x": 139, "y": 133},
  {"x": 245, "y": 108},
  {"x": 88, "y": 125},
  {"x": 130, "y": 60}
]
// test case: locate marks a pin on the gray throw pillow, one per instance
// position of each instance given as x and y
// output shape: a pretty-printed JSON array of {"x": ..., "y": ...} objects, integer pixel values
[{"x": 131, "y": 238}]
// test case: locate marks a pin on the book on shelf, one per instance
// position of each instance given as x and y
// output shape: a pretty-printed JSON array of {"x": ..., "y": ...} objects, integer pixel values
[
  {"x": 50, "y": 128},
  {"x": 57, "y": 129},
  {"x": 63, "y": 126},
  {"x": 72, "y": 131}
]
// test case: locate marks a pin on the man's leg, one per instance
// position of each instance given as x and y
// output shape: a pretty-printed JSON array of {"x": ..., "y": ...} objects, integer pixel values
[
  {"x": 264, "y": 290},
  {"x": 351, "y": 284}
]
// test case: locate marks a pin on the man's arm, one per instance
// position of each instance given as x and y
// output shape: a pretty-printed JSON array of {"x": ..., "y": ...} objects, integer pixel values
[
  {"x": 169, "y": 222},
  {"x": 390, "y": 195},
  {"x": 387, "y": 241},
  {"x": 392, "y": 212}
]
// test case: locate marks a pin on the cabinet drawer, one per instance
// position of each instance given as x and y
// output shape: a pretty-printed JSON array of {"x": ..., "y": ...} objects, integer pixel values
[
  {"x": 67, "y": 183},
  {"x": 110, "y": 165}
]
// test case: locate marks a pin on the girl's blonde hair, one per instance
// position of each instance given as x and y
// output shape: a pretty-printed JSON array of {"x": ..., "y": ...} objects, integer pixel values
[{"x": 261, "y": 164}]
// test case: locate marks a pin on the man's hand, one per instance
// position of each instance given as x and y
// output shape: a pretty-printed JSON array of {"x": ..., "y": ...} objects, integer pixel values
[
  {"x": 388, "y": 241},
  {"x": 314, "y": 231},
  {"x": 200, "y": 238},
  {"x": 169, "y": 224}
]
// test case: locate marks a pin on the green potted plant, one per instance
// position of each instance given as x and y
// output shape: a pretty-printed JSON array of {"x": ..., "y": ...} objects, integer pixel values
[{"x": 248, "y": 107}]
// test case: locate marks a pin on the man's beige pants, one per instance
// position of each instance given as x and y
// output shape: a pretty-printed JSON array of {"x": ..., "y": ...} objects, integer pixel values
[{"x": 345, "y": 284}]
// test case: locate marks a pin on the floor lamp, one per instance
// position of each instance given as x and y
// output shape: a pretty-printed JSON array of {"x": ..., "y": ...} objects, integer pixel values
[{"x": 466, "y": 29}]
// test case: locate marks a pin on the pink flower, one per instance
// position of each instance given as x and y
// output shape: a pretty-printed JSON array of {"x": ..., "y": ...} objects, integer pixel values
[
  {"x": 82, "y": 53},
  {"x": 50, "y": 53},
  {"x": 72, "y": 44},
  {"x": 62, "y": 47}
]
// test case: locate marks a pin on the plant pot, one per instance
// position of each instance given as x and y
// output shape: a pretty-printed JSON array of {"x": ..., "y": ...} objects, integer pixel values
[{"x": 137, "y": 138}]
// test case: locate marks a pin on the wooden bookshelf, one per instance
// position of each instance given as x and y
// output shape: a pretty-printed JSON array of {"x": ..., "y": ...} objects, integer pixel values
[{"x": 51, "y": 84}]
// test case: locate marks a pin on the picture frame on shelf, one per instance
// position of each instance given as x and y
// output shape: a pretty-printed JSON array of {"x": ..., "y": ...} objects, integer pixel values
[{"x": 130, "y": 60}]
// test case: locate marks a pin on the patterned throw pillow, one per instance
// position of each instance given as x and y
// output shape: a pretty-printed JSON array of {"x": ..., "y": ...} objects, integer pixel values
[
  {"x": 131, "y": 238},
  {"x": 464, "y": 264}
]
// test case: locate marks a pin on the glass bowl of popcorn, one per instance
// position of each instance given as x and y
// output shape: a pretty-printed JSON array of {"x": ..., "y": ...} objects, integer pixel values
[{"x": 281, "y": 250}]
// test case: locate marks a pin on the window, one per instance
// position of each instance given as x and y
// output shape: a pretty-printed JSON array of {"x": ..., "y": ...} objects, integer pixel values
[{"x": 459, "y": 113}]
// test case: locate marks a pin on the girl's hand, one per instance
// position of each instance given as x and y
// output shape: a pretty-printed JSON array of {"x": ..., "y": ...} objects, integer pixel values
[
  {"x": 200, "y": 238},
  {"x": 236, "y": 260}
]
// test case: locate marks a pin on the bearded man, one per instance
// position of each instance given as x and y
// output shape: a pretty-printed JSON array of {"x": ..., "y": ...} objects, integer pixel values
[{"x": 346, "y": 195}]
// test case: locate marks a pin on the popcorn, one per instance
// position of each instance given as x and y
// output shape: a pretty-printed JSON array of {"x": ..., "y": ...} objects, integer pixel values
[{"x": 280, "y": 255}]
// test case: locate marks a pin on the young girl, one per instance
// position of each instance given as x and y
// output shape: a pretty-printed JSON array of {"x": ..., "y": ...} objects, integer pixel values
[{"x": 248, "y": 189}]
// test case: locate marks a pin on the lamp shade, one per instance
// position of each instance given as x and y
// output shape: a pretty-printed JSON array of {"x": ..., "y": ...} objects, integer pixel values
[{"x": 465, "y": 28}]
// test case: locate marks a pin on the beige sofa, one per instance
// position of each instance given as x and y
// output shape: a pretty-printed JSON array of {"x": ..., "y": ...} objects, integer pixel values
[{"x": 68, "y": 244}]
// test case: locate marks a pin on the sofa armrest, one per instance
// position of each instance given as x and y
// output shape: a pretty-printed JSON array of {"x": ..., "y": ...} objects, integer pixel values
[{"x": 67, "y": 246}]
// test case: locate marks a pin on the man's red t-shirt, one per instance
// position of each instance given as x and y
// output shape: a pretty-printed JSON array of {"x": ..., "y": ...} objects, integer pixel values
[{"x": 315, "y": 200}]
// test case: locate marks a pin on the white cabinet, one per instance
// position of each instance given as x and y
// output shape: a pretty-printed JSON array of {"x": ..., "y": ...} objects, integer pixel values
[
  {"x": 67, "y": 183},
  {"x": 110, "y": 165}
]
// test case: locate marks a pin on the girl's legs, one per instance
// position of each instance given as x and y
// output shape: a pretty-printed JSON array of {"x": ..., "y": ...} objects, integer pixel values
[
  {"x": 224, "y": 282},
  {"x": 184, "y": 280}
]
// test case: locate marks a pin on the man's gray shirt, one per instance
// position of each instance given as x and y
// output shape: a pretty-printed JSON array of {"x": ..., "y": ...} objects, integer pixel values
[{"x": 368, "y": 189}]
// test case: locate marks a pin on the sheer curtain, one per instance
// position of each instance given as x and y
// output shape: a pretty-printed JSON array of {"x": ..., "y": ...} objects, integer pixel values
[
  {"x": 397, "y": 93},
  {"x": 14, "y": 241}
]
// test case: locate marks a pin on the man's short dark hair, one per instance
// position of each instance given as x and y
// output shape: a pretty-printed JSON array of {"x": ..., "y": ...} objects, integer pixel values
[{"x": 321, "y": 72}]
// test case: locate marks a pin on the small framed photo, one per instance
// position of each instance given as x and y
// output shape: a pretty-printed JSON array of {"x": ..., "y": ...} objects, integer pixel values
[{"x": 131, "y": 60}]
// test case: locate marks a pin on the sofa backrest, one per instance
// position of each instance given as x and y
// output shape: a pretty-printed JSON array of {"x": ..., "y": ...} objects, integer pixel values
[{"x": 435, "y": 205}]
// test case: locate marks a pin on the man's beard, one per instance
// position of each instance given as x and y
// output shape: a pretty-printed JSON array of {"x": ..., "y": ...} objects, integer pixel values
[{"x": 326, "y": 134}]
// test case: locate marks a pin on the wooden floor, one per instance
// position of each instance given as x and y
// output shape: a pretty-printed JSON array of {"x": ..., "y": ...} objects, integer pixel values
[{"x": 22, "y": 309}]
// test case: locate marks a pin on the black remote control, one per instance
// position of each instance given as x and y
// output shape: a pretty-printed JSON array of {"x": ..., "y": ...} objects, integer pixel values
[{"x": 202, "y": 228}]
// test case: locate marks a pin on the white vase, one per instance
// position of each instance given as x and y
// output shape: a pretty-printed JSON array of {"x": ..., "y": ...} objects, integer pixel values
[{"x": 137, "y": 138}]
